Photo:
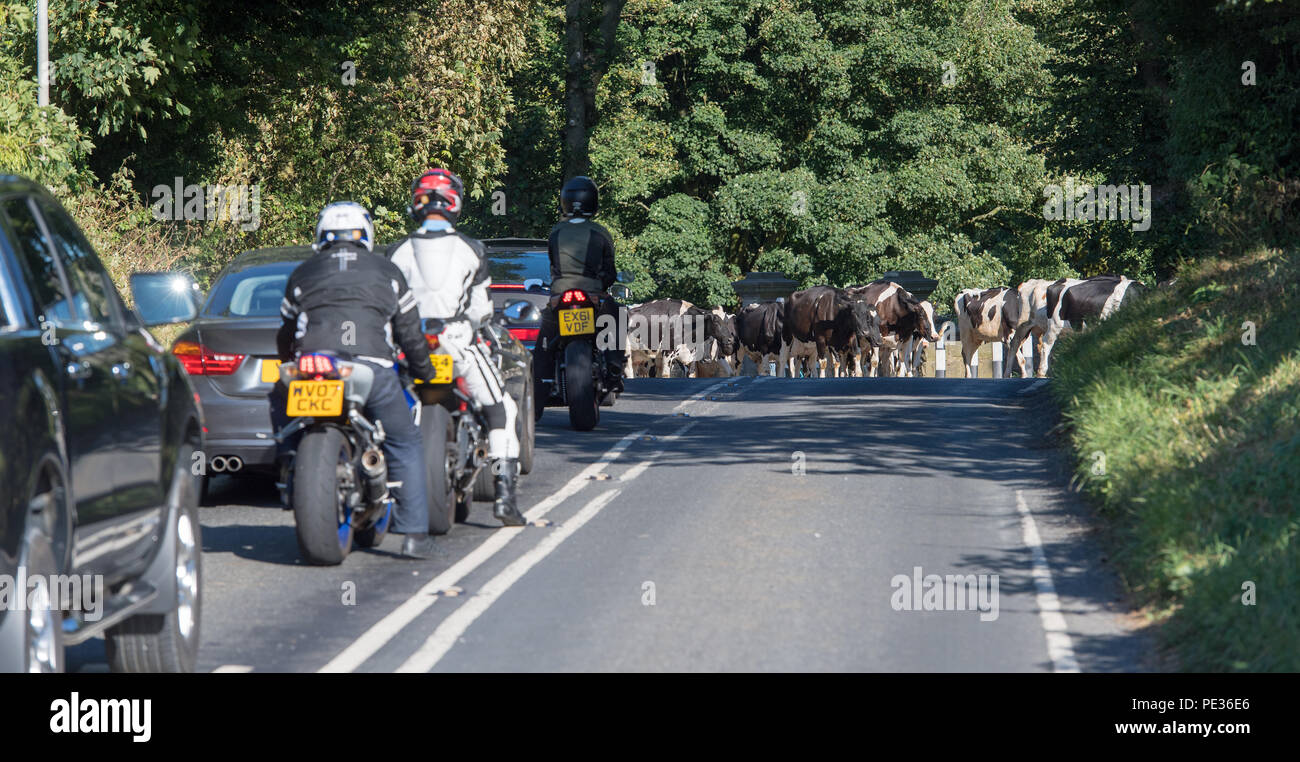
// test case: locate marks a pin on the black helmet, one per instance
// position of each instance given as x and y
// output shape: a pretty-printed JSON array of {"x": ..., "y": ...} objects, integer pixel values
[{"x": 579, "y": 198}]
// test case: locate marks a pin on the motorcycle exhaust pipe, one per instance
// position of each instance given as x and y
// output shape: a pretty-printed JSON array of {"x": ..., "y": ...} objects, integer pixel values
[{"x": 375, "y": 471}]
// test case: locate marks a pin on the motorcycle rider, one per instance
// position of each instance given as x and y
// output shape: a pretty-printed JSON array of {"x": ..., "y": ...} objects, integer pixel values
[
  {"x": 582, "y": 257},
  {"x": 347, "y": 301},
  {"x": 448, "y": 274}
]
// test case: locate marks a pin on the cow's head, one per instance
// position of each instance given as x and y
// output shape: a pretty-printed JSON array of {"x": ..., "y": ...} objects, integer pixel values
[
  {"x": 925, "y": 322},
  {"x": 866, "y": 322},
  {"x": 723, "y": 329}
]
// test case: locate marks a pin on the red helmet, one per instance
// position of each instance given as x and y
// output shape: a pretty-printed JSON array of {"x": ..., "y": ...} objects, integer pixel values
[{"x": 437, "y": 190}]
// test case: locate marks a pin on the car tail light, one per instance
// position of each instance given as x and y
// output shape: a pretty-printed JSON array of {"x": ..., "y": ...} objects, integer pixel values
[
  {"x": 524, "y": 334},
  {"x": 199, "y": 360}
]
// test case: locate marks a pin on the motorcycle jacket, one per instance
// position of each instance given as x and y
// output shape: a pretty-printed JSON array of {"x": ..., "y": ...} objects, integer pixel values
[
  {"x": 582, "y": 256},
  {"x": 448, "y": 275},
  {"x": 353, "y": 304}
]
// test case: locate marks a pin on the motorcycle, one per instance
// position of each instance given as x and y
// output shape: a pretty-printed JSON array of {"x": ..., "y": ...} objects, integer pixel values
[
  {"x": 582, "y": 380},
  {"x": 337, "y": 479},
  {"x": 454, "y": 431}
]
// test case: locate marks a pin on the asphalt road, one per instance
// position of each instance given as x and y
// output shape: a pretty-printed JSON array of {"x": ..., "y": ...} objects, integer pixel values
[{"x": 709, "y": 525}]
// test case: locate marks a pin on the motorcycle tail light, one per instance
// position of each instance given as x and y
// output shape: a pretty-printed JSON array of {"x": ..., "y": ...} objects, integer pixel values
[
  {"x": 432, "y": 338},
  {"x": 573, "y": 296},
  {"x": 525, "y": 334},
  {"x": 316, "y": 365}
]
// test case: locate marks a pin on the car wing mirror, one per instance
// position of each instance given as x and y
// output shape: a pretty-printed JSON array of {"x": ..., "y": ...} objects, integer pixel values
[
  {"x": 521, "y": 311},
  {"x": 165, "y": 298}
]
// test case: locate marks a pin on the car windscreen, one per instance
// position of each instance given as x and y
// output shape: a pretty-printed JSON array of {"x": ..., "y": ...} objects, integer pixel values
[
  {"x": 520, "y": 266},
  {"x": 253, "y": 292}
]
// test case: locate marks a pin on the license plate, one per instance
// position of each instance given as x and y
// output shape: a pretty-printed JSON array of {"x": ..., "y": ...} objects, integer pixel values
[
  {"x": 577, "y": 322},
  {"x": 270, "y": 371},
  {"x": 442, "y": 369},
  {"x": 320, "y": 399}
]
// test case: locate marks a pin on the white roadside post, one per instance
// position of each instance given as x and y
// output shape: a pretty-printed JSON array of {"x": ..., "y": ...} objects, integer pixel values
[
  {"x": 947, "y": 332},
  {"x": 997, "y": 359},
  {"x": 42, "y": 53}
]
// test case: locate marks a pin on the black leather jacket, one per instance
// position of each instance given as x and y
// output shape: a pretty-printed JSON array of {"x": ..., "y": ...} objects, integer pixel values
[
  {"x": 582, "y": 256},
  {"x": 351, "y": 303}
]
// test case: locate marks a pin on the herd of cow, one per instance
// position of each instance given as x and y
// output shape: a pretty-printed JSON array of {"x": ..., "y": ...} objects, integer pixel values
[{"x": 879, "y": 329}]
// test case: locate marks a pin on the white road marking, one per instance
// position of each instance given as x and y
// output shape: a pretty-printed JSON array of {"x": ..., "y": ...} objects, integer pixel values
[
  {"x": 233, "y": 668},
  {"x": 387, "y": 628},
  {"x": 455, "y": 625},
  {"x": 1059, "y": 648},
  {"x": 383, "y": 631}
]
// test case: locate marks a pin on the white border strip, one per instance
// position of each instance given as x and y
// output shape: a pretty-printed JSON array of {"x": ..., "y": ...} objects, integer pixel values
[{"x": 1059, "y": 648}]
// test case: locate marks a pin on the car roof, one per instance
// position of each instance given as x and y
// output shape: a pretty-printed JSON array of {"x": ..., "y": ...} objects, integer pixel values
[
  {"x": 19, "y": 184},
  {"x": 494, "y": 245},
  {"x": 269, "y": 256}
]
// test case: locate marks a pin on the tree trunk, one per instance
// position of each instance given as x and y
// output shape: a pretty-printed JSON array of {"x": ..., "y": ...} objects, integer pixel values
[{"x": 575, "y": 131}]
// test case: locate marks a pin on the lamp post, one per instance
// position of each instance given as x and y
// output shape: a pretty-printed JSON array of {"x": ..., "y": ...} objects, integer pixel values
[{"x": 42, "y": 52}]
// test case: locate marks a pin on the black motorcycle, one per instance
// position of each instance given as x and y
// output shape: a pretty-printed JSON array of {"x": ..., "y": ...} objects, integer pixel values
[
  {"x": 582, "y": 380},
  {"x": 454, "y": 428},
  {"x": 337, "y": 479}
]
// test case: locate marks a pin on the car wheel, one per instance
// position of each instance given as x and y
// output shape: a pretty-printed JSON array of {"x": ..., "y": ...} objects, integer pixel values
[{"x": 169, "y": 642}]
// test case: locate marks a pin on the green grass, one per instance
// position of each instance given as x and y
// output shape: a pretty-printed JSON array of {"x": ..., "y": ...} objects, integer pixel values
[{"x": 1201, "y": 441}]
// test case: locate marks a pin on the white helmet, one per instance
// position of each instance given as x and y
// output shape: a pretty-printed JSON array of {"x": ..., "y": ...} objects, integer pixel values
[{"x": 344, "y": 221}]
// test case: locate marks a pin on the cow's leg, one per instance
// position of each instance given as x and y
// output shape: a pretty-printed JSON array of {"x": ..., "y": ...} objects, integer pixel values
[
  {"x": 970, "y": 356},
  {"x": 1049, "y": 339},
  {"x": 1017, "y": 339}
]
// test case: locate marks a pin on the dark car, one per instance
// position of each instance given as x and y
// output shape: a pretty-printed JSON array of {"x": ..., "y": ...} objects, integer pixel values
[
  {"x": 230, "y": 354},
  {"x": 98, "y": 427},
  {"x": 521, "y": 272}
]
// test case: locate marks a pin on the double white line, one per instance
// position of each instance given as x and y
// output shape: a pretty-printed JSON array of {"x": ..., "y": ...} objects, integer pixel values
[{"x": 455, "y": 625}]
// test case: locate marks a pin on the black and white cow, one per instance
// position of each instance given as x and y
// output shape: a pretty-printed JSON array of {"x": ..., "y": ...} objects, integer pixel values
[
  {"x": 833, "y": 319},
  {"x": 665, "y": 331},
  {"x": 988, "y": 315},
  {"x": 1070, "y": 303},
  {"x": 759, "y": 329},
  {"x": 902, "y": 317}
]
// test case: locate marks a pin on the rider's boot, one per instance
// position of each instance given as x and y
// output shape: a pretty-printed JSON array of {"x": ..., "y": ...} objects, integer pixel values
[
  {"x": 504, "y": 509},
  {"x": 418, "y": 546}
]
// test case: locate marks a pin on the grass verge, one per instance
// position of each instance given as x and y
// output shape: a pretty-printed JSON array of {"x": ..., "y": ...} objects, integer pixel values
[{"x": 1187, "y": 435}]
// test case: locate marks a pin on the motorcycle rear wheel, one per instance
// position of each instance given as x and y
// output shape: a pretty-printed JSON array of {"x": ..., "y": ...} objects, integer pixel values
[
  {"x": 580, "y": 386},
  {"x": 319, "y": 509}
]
